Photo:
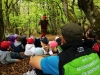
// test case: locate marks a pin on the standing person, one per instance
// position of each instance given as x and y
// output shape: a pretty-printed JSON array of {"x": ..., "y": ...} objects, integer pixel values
[
  {"x": 75, "y": 59},
  {"x": 44, "y": 25}
]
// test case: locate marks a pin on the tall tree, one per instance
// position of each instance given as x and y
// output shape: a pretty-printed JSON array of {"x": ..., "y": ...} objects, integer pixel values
[
  {"x": 70, "y": 15},
  {"x": 1, "y": 22},
  {"x": 92, "y": 14}
]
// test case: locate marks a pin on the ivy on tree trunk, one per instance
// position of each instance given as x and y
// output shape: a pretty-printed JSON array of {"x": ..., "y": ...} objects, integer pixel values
[{"x": 1, "y": 22}]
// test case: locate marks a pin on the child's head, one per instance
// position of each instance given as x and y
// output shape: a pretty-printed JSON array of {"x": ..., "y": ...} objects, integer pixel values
[
  {"x": 58, "y": 40},
  {"x": 24, "y": 37},
  {"x": 46, "y": 48},
  {"x": 30, "y": 41},
  {"x": 19, "y": 38},
  {"x": 15, "y": 35},
  {"x": 44, "y": 41},
  {"x": 53, "y": 45},
  {"x": 37, "y": 42},
  {"x": 5, "y": 45},
  {"x": 44, "y": 16}
]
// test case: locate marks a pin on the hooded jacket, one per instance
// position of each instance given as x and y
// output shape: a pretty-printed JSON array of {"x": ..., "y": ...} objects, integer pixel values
[
  {"x": 5, "y": 57},
  {"x": 76, "y": 59},
  {"x": 18, "y": 47}
]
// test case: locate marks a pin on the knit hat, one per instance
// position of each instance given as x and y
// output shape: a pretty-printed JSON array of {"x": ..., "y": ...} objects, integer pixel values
[
  {"x": 44, "y": 17},
  {"x": 5, "y": 44},
  {"x": 72, "y": 32},
  {"x": 53, "y": 44},
  {"x": 30, "y": 41},
  {"x": 12, "y": 38},
  {"x": 44, "y": 40}
]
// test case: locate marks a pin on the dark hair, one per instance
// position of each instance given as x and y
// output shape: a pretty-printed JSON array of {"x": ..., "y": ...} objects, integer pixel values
[
  {"x": 58, "y": 40},
  {"x": 37, "y": 42},
  {"x": 19, "y": 38}
]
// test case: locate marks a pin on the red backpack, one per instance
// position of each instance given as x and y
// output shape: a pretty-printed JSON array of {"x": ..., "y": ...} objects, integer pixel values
[{"x": 96, "y": 47}]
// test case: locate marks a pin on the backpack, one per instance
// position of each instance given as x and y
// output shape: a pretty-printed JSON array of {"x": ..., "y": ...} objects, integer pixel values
[{"x": 96, "y": 48}]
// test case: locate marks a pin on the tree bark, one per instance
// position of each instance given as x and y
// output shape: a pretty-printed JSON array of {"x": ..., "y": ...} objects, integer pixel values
[
  {"x": 69, "y": 15},
  {"x": 1, "y": 22},
  {"x": 92, "y": 14}
]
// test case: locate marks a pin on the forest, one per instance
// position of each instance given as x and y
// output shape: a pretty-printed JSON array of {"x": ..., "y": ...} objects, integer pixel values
[{"x": 22, "y": 16}]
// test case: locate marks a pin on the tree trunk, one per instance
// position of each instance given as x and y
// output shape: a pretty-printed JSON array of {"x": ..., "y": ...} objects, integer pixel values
[
  {"x": 69, "y": 14},
  {"x": 92, "y": 14},
  {"x": 1, "y": 22}
]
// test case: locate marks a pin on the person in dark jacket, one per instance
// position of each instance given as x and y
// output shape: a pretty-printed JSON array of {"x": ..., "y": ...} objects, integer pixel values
[
  {"x": 18, "y": 46},
  {"x": 24, "y": 40},
  {"x": 44, "y": 25}
]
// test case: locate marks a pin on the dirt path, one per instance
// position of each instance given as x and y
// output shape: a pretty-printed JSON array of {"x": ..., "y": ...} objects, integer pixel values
[{"x": 49, "y": 36}]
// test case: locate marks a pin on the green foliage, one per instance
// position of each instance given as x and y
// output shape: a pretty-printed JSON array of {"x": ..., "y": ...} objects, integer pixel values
[
  {"x": 27, "y": 13},
  {"x": 31, "y": 12}
]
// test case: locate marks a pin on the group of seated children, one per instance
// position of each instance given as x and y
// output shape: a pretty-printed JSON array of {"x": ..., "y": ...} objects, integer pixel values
[
  {"x": 10, "y": 50},
  {"x": 47, "y": 47}
]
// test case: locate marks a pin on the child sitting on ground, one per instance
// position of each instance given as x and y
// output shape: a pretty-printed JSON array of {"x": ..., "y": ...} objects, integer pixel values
[
  {"x": 29, "y": 45},
  {"x": 12, "y": 40},
  {"x": 5, "y": 54},
  {"x": 44, "y": 44},
  {"x": 18, "y": 46},
  {"x": 58, "y": 40},
  {"x": 37, "y": 42},
  {"x": 53, "y": 47},
  {"x": 24, "y": 40},
  {"x": 30, "y": 48}
]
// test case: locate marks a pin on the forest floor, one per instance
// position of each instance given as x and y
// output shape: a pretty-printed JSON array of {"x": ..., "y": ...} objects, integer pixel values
[
  {"x": 19, "y": 68},
  {"x": 49, "y": 36}
]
